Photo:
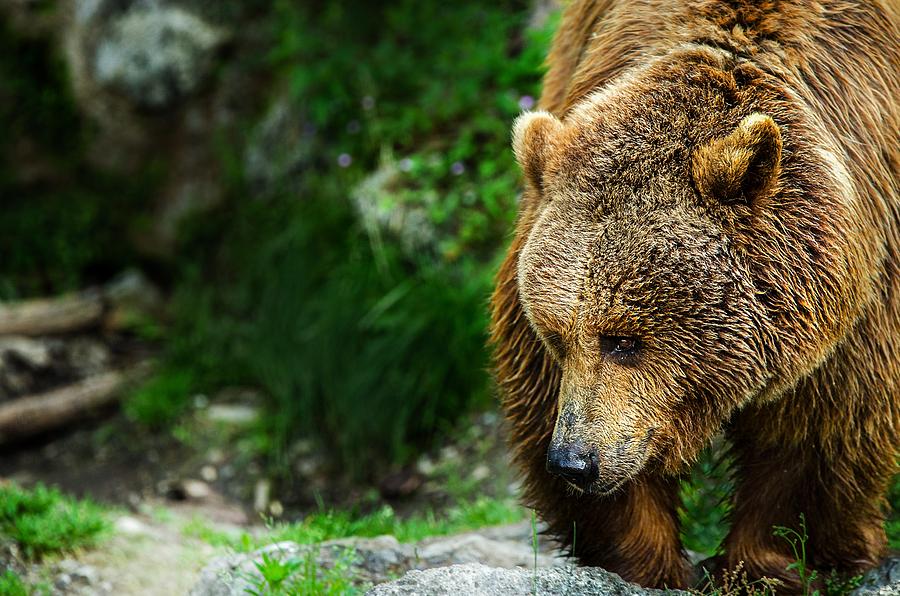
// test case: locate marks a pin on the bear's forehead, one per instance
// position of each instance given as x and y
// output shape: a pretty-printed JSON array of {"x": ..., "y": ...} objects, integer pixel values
[{"x": 606, "y": 269}]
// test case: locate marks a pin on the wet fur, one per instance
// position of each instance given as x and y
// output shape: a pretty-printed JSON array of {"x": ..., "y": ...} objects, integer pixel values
[{"x": 815, "y": 418}]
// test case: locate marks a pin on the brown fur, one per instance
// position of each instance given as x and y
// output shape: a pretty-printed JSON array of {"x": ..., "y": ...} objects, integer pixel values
[{"x": 719, "y": 179}]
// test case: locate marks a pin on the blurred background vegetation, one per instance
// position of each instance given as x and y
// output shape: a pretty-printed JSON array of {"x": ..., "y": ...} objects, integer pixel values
[
  {"x": 319, "y": 193},
  {"x": 344, "y": 265}
]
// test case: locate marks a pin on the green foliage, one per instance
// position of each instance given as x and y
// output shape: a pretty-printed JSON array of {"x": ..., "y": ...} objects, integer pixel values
[
  {"x": 835, "y": 584},
  {"x": 43, "y": 521},
  {"x": 704, "y": 498},
  {"x": 355, "y": 341},
  {"x": 328, "y": 525},
  {"x": 841, "y": 585},
  {"x": 160, "y": 400},
  {"x": 11, "y": 584},
  {"x": 892, "y": 526},
  {"x": 797, "y": 540},
  {"x": 333, "y": 524},
  {"x": 302, "y": 576},
  {"x": 63, "y": 221},
  {"x": 736, "y": 583}
]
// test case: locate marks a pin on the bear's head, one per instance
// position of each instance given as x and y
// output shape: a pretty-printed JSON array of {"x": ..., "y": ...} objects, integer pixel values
[{"x": 691, "y": 246}]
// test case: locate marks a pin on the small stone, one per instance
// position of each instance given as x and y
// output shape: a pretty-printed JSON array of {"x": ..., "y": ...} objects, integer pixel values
[
  {"x": 130, "y": 525},
  {"x": 131, "y": 291},
  {"x": 276, "y": 508},
  {"x": 215, "y": 456},
  {"x": 195, "y": 489},
  {"x": 481, "y": 472},
  {"x": 262, "y": 494},
  {"x": 233, "y": 414},
  {"x": 188, "y": 490},
  {"x": 450, "y": 454},
  {"x": 425, "y": 466},
  {"x": 308, "y": 466},
  {"x": 209, "y": 473},
  {"x": 34, "y": 353}
]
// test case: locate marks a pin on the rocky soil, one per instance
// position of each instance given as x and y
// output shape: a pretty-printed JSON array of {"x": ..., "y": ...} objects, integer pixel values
[{"x": 492, "y": 561}]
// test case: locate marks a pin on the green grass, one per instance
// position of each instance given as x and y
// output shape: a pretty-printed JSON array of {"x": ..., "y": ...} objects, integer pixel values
[
  {"x": 333, "y": 524},
  {"x": 302, "y": 576},
  {"x": 42, "y": 521},
  {"x": 12, "y": 585},
  {"x": 161, "y": 400}
]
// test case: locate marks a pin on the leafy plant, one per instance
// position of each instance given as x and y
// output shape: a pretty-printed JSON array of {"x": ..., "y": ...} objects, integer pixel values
[
  {"x": 355, "y": 340},
  {"x": 704, "y": 498},
  {"x": 892, "y": 525},
  {"x": 162, "y": 399},
  {"x": 11, "y": 584},
  {"x": 302, "y": 576},
  {"x": 797, "y": 540},
  {"x": 736, "y": 583},
  {"x": 332, "y": 524},
  {"x": 43, "y": 521}
]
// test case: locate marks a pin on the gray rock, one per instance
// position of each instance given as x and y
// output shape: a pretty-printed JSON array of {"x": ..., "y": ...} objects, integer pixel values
[
  {"x": 34, "y": 353},
  {"x": 156, "y": 55},
  {"x": 883, "y": 581},
  {"x": 475, "y": 579},
  {"x": 389, "y": 214},
  {"x": 33, "y": 365},
  {"x": 374, "y": 560},
  {"x": 132, "y": 291},
  {"x": 278, "y": 150},
  {"x": 232, "y": 414}
]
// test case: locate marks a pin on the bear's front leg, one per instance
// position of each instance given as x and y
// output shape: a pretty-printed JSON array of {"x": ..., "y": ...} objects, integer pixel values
[
  {"x": 837, "y": 485},
  {"x": 634, "y": 532}
]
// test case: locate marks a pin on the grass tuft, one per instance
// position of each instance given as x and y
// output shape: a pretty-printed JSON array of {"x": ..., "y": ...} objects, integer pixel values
[
  {"x": 12, "y": 585},
  {"x": 42, "y": 521}
]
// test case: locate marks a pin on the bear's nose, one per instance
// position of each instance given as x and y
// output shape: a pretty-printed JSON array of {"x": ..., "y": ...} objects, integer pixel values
[{"x": 574, "y": 463}]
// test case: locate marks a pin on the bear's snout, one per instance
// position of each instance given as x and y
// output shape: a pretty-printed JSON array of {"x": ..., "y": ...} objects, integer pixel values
[{"x": 573, "y": 462}]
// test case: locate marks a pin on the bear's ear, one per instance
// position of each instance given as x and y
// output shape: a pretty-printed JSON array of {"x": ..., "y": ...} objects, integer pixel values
[
  {"x": 741, "y": 167},
  {"x": 534, "y": 136}
]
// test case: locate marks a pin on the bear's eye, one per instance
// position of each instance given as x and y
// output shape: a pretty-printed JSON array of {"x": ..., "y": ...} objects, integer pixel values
[
  {"x": 619, "y": 346},
  {"x": 556, "y": 344}
]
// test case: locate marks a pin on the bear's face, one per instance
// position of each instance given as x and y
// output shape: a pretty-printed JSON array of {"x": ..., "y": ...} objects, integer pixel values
[{"x": 630, "y": 279}]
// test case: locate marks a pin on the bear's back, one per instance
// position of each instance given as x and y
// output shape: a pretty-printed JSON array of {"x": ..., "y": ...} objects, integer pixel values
[{"x": 843, "y": 58}]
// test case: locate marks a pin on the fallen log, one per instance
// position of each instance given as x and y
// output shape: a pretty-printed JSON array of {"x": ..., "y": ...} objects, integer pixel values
[
  {"x": 44, "y": 316},
  {"x": 30, "y": 415}
]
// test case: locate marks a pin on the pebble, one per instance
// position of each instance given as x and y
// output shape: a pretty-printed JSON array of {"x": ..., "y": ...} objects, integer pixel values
[{"x": 209, "y": 473}]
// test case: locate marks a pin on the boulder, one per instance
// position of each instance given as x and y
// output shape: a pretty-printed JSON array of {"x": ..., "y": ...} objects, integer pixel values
[
  {"x": 369, "y": 561},
  {"x": 882, "y": 581},
  {"x": 156, "y": 55},
  {"x": 475, "y": 579}
]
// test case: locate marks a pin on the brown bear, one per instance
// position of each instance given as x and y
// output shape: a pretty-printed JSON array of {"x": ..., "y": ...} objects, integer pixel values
[{"x": 708, "y": 241}]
